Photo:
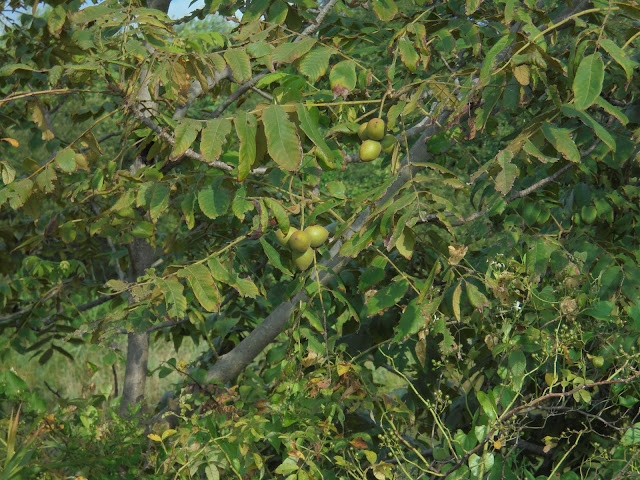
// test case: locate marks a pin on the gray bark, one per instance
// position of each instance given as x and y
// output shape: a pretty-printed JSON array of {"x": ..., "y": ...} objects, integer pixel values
[{"x": 141, "y": 256}]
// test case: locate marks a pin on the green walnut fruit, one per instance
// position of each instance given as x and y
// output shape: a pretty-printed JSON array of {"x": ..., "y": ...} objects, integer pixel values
[
  {"x": 303, "y": 260},
  {"x": 317, "y": 234},
  {"x": 375, "y": 129},
  {"x": 362, "y": 132},
  {"x": 388, "y": 142},
  {"x": 597, "y": 361},
  {"x": 299, "y": 242},
  {"x": 369, "y": 150},
  {"x": 284, "y": 239},
  {"x": 589, "y": 214}
]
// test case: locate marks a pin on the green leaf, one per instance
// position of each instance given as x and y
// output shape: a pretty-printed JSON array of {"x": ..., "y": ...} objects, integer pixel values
[
  {"x": 289, "y": 465},
  {"x": 408, "y": 54},
  {"x": 246, "y": 128},
  {"x": 255, "y": 10},
  {"x": 214, "y": 136},
  {"x": 279, "y": 212},
  {"x": 185, "y": 133},
  {"x": 316, "y": 63},
  {"x": 204, "y": 288},
  {"x": 517, "y": 363},
  {"x": 68, "y": 232},
  {"x": 472, "y": 6},
  {"x": 291, "y": 51},
  {"x": 508, "y": 174},
  {"x": 373, "y": 274},
  {"x": 477, "y": 299},
  {"x": 214, "y": 201},
  {"x": 142, "y": 229},
  {"x": 240, "y": 64},
  {"x": 600, "y": 311},
  {"x": 455, "y": 301},
  {"x": 406, "y": 243},
  {"x": 174, "y": 299},
  {"x": 589, "y": 121},
  {"x": 561, "y": 139},
  {"x": 411, "y": 321},
  {"x": 278, "y": 12},
  {"x": 308, "y": 126},
  {"x": 66, "y": 160},
  {"x": 385, "y": 9},
  {"x": 246, "y": 287},
  {"x": 619, "y": 56},
  {"x": 538, "y": 257},
  {"x": 283, "y": 143},
  {"x": 492, "y": 54},
  {"x": 219, "y": 272},
  {"x": 387, "y": 297},
  {"x": 342, "y": 78},
  {"x": 45, "y": 179},
  {"x": 274, "y": 257},
  {"x": 631, "y": 436},
  {"x": 488, "y": 407},
  {"x": 158, "y": 201},
  {"x": 12, "y": 383},
  {"x": 532, "y": 150},
  {"x": 7, "y": 70},
  {"x": 612, "y": 110},
  {"x": 587, "y": 83},
  {"x": 240, "y": 205},
  {"x": 56, "y": 20},
  {"x": 20, "y": 192},
  {"x": 8, "y": 173}
]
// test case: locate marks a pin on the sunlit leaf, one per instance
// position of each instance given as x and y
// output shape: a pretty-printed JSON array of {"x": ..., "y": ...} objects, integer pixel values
[
  {"x": 202, "y": 284},
  {"x": 283, "y": 142}
]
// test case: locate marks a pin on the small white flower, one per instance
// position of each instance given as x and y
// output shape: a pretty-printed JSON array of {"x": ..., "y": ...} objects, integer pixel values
[{"x": 517, "y": 306}]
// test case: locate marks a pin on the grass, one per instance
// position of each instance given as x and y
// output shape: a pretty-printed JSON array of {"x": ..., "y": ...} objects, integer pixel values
[{"x": 91, "y": 373}]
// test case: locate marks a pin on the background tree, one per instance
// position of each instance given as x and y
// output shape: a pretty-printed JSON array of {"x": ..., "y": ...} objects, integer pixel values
[{"x": 473, "y": 313}]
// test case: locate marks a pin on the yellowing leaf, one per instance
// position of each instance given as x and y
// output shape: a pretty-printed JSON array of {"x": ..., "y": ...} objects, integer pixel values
[
  {"x": 406, "y": 242},
  {"x": 342, "y": 78},
  {"x": 214, "y": 136},
  {"x": 408, "y": 54},
  {"x": 385, "y": 9},
  {"x": 12, "y": 141},
  {"x": 240, "y": 64},
  {"x": 289, "y": 52},
  {"x": 186, "y": 133},
  {"x": 316, "y": 63},
  {"x": 522, "y": 74}
]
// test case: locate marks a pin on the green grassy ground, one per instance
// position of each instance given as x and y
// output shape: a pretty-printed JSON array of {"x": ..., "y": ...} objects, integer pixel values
[{"x": 91, "y": 373}]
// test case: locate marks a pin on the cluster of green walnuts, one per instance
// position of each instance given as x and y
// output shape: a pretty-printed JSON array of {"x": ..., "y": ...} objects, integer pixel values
[
  {"x": 374, "y": 140},
  {"x": 302, "y": 242}
]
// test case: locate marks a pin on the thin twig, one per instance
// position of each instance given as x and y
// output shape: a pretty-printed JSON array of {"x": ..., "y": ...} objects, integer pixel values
[
  {"x": 242, "y": 89},
  {"x": 51, "y": 389}
]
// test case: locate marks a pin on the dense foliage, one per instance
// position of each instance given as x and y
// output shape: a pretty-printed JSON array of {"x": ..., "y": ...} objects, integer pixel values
[{"x": 473, "y": 314}]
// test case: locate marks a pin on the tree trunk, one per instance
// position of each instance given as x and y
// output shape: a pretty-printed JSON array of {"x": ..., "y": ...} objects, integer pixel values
[{"x": 141, "y": 256}]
